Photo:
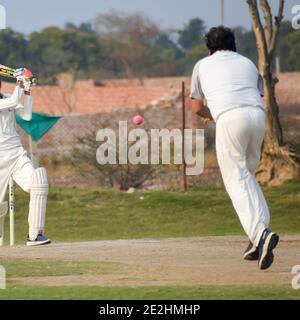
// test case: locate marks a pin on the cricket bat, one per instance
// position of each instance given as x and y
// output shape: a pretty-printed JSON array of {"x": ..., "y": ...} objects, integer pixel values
[{"x": 9, "y": 73}]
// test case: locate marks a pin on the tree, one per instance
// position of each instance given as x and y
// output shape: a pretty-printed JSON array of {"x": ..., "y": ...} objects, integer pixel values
[
  {"x": 192, "y": 33},
  {"x": 128, "y": 39},
  {"x": 277, "y": 164},
  {"x": 193, "y": 55},
  {"x": 55, "y": 51},
  {"x": 283, "y": 48},
  {"x": 13, "y": 51},
  {"x": 246, "y": 43},
  {"x": 167, "y": 57},
  {"x": 292, "y": 43},
  {"x": 85, "y": 27}
]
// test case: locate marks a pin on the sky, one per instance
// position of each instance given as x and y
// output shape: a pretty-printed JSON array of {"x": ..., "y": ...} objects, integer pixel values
[{"x": 33, "y": 15}]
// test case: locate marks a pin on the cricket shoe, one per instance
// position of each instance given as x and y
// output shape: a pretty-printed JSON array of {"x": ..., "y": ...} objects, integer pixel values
[
  {"x": 39, "y": 241},
  {"x": 251, "y": 252},
  {"x": 267, "y": 243}
]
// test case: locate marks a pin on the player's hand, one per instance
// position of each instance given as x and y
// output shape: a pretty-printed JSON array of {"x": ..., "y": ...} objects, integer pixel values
[
  {"x": 20, "y": 83},
  {"x": 27, "y": 85},
  {"x": 206, "y": 120}
]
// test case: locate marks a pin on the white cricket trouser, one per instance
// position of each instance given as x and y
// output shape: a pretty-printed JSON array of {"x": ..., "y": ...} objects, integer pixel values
[
  {"x": 15, "y": 163},
  {"x": 239, "y": 137}
]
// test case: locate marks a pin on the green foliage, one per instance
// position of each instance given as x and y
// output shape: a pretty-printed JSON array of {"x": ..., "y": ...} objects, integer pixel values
[
  {"x": 283, "y": 51},
  {"x": 193, "y": 55},
  {"x": 89, "y": 214},
  {"x": 192, "y": 33},
  {"x": 242, "y": 292},
  {"x": 83, "y": 27},
  {"x": 246, "y": 43},
  {"x": 126, "y": 45},
  {"x": 129, "y": 38},
  {"x": 293, "y": 45},
  {"x": 56, "y": 50},
  {"x": 84, "y": 212},
  {"x": 14, "y": 52}
]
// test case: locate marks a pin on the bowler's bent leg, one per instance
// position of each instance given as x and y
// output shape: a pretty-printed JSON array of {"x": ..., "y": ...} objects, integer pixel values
[{"x": 234, "y": 132}]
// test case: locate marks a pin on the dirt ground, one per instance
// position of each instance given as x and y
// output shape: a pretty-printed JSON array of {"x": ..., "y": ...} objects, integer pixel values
[{"x": 180, "y": 261}]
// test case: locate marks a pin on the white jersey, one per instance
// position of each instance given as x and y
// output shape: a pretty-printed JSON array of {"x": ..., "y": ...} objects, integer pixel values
[
  {"x": 9, "y": 107},
  {"x": 227, "y": 80},
  {"x": 15, "y": 164}
]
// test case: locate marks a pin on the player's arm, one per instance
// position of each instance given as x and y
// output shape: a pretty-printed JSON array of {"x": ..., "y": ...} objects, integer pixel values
[
  {"x": 197, "y": 96},
  {"x": 13, "y": 100},
  {"x": 201, "y": 109},
  {"x": 25, "y": 111}
]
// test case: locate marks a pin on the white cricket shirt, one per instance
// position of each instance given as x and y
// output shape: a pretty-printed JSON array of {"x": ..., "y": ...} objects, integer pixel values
[
  {"x": 227, "y": 80},
  {"x": 9, "y": 107}
]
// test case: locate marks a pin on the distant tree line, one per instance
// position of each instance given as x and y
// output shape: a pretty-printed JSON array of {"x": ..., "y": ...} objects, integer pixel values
[{"x": 118, "y": 45}]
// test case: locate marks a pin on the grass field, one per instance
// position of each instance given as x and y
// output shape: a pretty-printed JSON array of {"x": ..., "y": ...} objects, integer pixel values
[
  {"x": 82, "y": 215},
  {"x": 25, "y": 269},
  {"x": 151, "y": 293}
]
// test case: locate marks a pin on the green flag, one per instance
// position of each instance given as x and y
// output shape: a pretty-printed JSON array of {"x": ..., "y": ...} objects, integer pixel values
[{"x": 38, "y": 126}]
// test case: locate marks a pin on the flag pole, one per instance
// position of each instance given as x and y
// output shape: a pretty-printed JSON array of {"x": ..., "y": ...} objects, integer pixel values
[
  {"x": 183, "y": 138},
  {"x": 222, "y": 12},
  {"x": 33, "y": 152}
]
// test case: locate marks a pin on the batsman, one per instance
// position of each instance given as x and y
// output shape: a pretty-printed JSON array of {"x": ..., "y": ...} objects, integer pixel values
[{"x": 15, "y": 163}]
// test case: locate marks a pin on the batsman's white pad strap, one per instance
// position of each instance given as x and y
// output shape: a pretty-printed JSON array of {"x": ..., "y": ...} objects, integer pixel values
[
  {"x": 38, "y": 203},
  {"x": 3, "y": 209}
]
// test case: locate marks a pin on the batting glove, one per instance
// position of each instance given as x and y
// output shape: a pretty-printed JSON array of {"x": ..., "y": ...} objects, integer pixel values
[
  {"x": 19, "y": 72},
  {"x": 22, "y": 79},
  {"x": 27, "y": 85}
]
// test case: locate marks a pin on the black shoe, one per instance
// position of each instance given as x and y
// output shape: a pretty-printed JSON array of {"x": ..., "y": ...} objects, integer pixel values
[
  {"x": 267, "y": 243},
  {"x": 251, "y": 252}
]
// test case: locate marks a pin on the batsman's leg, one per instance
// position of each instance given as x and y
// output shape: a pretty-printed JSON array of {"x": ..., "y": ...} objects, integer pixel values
[
  {"x": 35, "y": 182},
  {"x": 37, "y": 208}
]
